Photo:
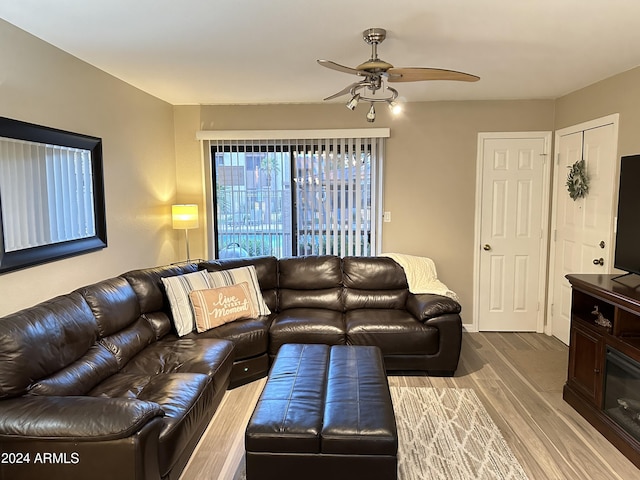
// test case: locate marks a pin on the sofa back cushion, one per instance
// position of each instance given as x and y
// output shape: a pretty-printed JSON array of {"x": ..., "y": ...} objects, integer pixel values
[
  {"x": 122, "y": 331},
  {"x": 310, "y": 282},
  {"x": 160, "y": 323},
  {"x": 129, "y": 341},
  {"x": 148, "y": 286},
  {"x": 266, "y": 270},
  {"x": 38, "y": 341},
  {"x": 373, "y": 282},
  {"x": 113, "y": 303}
]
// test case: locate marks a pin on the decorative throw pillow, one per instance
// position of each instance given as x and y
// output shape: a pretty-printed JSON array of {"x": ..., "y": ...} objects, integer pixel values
[
  {"x": 178, "y": 289},
  {"x": 216, "y": 306},
  {"x": 234, "y": 276}
]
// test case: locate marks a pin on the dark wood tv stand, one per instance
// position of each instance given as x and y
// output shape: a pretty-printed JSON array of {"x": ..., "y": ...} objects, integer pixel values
[{"x": 584, "y": 390}]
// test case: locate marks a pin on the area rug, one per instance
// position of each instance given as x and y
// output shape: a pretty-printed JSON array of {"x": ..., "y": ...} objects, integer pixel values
[{"x": 446, "y": 434}]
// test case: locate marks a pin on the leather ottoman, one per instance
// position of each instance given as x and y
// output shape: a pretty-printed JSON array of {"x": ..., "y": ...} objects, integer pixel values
[{"x": 325, "y": 412}]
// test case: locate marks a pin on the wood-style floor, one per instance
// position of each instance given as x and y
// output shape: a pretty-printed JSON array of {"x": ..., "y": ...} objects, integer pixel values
[{"x": 517, "y": 376}]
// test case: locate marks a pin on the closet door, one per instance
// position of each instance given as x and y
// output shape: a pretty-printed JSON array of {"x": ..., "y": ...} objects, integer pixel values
[{"x": 582, "y": 229}]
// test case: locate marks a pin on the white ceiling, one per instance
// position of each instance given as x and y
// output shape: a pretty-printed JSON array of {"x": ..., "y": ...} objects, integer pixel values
[{"x": 265, "y": 51}]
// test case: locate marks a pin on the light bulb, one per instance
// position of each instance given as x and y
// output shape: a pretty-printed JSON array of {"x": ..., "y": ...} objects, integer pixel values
[
  {"x": 395, "y": 108},
  {"x": 353, "y": 103},
  {"x": 371, "y": 115}
]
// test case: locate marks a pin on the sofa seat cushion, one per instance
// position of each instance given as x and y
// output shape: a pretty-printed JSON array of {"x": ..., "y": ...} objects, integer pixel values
[
  {"x": 185, "y": 398},
  {"x": 307, "y": 325},
  {"x": 73, "y": 419},
  {"x": 395, "y": 332},
  {"x": 250, "y": 336},
  {"x": 208, "y": 356}
]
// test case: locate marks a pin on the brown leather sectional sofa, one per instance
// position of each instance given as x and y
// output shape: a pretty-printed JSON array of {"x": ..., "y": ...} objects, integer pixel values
[{"x": 95, "y": 384}]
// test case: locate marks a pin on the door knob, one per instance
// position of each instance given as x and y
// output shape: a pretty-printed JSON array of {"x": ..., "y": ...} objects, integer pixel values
[
  {"x": 486, "y": 247},
  {"x": 598, "y": 261}
]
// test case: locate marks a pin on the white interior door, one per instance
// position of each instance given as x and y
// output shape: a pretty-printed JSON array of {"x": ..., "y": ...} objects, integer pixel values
[
  {"x": 583, "y": 229},
  {"x": 512, "y": 237}
]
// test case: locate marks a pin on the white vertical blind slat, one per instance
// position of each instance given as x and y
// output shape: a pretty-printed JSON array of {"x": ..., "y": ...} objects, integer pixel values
[
  {"x": 358, "y": 165},
  {"x": 326, "y": 182},
  {"x": 334, "y": 195},
  {"x": 344, "y": 162},
  {"x": 372, "y": 197}
]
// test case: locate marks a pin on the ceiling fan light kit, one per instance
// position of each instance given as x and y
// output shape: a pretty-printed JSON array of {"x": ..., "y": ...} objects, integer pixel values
[{"x": 377, "y": 73}]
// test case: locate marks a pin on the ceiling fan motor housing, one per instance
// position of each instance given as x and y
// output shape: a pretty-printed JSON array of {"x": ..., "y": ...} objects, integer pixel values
[{"x": 374, "y": 36}]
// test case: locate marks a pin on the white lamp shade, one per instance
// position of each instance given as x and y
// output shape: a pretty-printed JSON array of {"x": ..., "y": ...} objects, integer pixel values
[{"x": 184, "y": 217}]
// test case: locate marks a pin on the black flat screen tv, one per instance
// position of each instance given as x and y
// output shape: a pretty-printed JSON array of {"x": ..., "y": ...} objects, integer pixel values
[{"x": 627, "y": 255}]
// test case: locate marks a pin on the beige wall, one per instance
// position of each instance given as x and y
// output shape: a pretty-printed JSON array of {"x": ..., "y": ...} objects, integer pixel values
[
  {"x": 43, "y": 85},
  {"x": 189, "y": 176},
  {"x": 150, "y": 151},
  {"x": 617, "y": 94},
  {"x": 429, "y": 167}
]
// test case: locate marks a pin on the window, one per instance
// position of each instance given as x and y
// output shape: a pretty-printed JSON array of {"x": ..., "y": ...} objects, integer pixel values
[{"x": 296, "y": 197}]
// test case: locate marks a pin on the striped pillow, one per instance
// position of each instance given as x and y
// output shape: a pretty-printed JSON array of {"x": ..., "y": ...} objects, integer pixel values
[
  {"x": 225, "y": 278},
  {"x": 178, "y": 289}
]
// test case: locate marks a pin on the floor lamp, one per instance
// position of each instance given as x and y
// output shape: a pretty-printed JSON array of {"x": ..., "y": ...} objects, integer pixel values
[{"x": 185, "y": 217}]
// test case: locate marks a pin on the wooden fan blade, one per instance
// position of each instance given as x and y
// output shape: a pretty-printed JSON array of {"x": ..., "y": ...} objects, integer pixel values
[
  {"x": 344, "y": 91},
  {"x": 340, "y": 68},
  {"x": 415, "y": 74}
]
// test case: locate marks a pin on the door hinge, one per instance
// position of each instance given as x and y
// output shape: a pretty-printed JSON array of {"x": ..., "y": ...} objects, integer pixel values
[
  {"x": 555, "y": 235},
  {"x": 551, "y": 309},
  {"x": 557, "y": 159}
]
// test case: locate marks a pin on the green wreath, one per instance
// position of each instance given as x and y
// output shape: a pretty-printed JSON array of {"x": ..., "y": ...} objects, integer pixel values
[{"x": 577, "y": 180}]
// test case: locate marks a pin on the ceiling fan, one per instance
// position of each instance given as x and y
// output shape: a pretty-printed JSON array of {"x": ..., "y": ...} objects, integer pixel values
[{"x": 376, "y": 73}]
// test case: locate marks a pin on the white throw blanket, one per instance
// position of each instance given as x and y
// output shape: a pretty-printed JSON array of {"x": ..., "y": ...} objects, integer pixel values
[{"x": 421, "y": 275}]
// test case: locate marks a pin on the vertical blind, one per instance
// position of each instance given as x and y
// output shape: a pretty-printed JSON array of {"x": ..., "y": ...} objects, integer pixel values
[
  {"x": 327, "y": 193},
  {"x": 50, "y": 199},
  {"x": 336, "y": 196}
]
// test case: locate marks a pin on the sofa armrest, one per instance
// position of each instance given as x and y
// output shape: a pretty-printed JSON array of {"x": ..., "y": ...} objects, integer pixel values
[
  {"x": 424, "y": 306},
  {"x": 82, "y": 418}
]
